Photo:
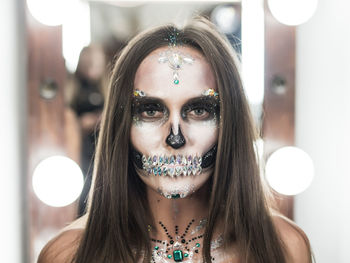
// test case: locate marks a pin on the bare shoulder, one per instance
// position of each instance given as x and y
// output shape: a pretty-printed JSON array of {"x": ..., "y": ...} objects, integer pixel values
[
  {"x": 294, "y": 239},
  {"x": 62, "y": 248}
]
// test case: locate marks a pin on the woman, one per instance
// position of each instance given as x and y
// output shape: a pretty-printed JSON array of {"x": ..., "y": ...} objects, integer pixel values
[{"x": 176, "y": 176}]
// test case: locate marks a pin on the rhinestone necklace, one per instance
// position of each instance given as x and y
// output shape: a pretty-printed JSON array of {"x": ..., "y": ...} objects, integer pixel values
[{"x": 181, "y": 248}]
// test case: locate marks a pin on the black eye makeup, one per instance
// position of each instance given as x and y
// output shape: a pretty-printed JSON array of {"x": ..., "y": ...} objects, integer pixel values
[
  {"x": 201, "y": 109},
  {"x": 149, "y": 110}
]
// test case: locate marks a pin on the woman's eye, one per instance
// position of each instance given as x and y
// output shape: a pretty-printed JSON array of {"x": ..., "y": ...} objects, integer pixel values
[
  {"x": 151, "y": 113},
  {"x": 199, "y": 113}
]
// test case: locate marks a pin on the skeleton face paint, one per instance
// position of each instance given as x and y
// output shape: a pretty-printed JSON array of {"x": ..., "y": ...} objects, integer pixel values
[{"x": 174, "y": 131}]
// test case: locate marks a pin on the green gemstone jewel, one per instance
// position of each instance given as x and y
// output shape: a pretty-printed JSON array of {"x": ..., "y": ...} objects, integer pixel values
[
  {"x": 156, "y": 247},
  {"x": 178, "y": 256},
  {"x": 176, "y": 81},
  {"x": 175, "y": 196},
  {"x": 198, "y": 245},
  {"x": 185, "y": 255},
  {"x": 170, "y": 256}
]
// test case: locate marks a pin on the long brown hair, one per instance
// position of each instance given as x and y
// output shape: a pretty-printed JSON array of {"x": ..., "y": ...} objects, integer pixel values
[{"x": 118, "y": 213}]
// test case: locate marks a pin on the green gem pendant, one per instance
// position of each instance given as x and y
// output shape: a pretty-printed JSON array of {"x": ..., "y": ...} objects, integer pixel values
[
  {"x": 176, "y": 81},
  {"x": 175, "y": 196},
  {"x": 178, "y": 256}
]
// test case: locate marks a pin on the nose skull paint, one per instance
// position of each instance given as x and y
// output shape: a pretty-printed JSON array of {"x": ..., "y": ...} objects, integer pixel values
[{"x": 176, "y": 141}]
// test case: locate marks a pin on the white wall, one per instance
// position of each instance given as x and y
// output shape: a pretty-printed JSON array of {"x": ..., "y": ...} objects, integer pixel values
[
  {"x": 323, "y": 128},
  {"x": 12, "y": 105}
]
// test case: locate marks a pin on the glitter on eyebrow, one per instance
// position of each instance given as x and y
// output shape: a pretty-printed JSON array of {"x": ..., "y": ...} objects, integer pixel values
[
  {"x": 211, "y": 93},
  {"x": 139, "y": 93}
]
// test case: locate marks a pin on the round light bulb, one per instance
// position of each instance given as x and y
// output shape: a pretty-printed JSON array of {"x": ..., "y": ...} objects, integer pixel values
[
  {"x": 57, "y": 181},
  {"x": 48, "y": 12},
  {"x": 226, "y": 18},
  {"x": 292, "y": 12},
  {"x": 289, "y": 170}
]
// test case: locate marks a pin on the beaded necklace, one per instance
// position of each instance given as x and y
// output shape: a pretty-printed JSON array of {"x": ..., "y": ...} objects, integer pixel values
[{"x": 183, "y": 248}]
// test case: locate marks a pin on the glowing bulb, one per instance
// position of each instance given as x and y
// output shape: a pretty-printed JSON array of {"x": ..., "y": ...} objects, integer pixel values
[
  {"x": 75, "y": 33},
  {"x": 253, "y": 53},
  {"x": 226, "y": 18},
  {"x": 48, "y": 12},
  {"x": 292, "y": 12},
  {"x": 289, "y": 170},
  {"x": 57, "y": 181}
]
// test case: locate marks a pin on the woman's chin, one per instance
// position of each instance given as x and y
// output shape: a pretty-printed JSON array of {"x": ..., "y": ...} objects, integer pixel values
[{"x": 177, "y": 187}]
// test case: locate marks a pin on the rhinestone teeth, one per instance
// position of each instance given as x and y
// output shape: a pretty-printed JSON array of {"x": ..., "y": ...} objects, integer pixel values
[
  {"x": 161, "y": 160},
  {"x": 180, "y": 165},
  {"x": 189, "y": 159},
  {"x": 171, "y": 172},
  {"x": 165, "y": 171},
  {"x": 184, "y": 170},
  {"x": 178, "y": 170},
  {"x": 155, "y": 160},
  {"x": 178, "y": 159},
  {"x": 189, "y": 170},
  {"x": 144, "y": 159},
  {"x": 195, "y": 160},
  {"x": 172, "y": 159},
  {"x": 155, "y": 171},
  {"x": 184, "y": 161}
]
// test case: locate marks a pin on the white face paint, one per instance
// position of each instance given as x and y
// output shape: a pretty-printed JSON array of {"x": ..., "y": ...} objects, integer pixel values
[{"x": 161, "y": 105}]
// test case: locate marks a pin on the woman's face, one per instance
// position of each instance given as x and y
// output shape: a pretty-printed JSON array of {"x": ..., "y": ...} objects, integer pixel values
[{"x": 175, "y": 121}]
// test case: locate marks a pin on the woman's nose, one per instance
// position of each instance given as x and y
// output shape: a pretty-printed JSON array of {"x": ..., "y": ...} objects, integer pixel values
[{"x": 177, "y": 140}]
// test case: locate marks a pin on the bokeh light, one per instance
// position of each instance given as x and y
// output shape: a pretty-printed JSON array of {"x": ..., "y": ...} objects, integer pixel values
[
  {"x": 292, "y": 12},
  {"x": 57, "y": 181},
  {"x": 226, "y": 18},
  {"x": 289, "y": 170},
  {"x": 48, "y": 12}
]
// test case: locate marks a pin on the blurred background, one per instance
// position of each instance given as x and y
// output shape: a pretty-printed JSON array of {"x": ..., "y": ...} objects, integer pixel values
[{"x": 56, "y": 56}]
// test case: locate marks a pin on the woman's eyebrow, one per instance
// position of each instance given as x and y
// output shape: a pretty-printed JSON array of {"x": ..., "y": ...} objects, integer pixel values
[
  {"x": 154, "y": 100},
  {"x": 146, "y": 99},
  {"x": 203, "y": 99}
]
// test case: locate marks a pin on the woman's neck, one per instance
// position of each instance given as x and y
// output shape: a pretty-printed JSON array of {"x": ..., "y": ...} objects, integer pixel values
[
  {"x": 173, "y": 216},
  {"x": 179, "y": 225}
]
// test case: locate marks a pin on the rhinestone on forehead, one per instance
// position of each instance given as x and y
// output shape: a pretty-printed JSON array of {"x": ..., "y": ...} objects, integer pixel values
[{"x": 175, "y": 60}]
